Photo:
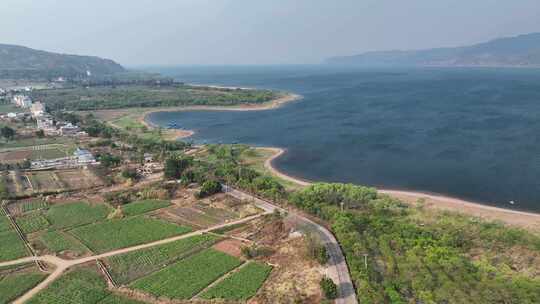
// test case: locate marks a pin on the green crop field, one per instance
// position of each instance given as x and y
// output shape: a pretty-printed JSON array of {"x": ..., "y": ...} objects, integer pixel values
[
  {"x": 5, "y": 224},
  {"x": 76, "y": 214},
  {"x": 14, "y": 285},
  {"x": 11, "y": 246},
  {"x": 186, "y": 278},
  {"x": 115, "y": 299},
  {"x": 128, "y": 267},
  {"x": 32, "y": 222},
  {"x": 81, "y": 286},
  {"x": 240, "y": 285},
  {"x": 58, "y": 241},
  {"x": 141, "y": 207},
  {"x": 113, "y": 234}
]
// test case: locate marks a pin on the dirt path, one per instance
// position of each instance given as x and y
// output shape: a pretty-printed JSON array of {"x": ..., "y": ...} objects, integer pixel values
[
  {"x": 62, "y": 265},
  {"x": 337, "y": 265}
]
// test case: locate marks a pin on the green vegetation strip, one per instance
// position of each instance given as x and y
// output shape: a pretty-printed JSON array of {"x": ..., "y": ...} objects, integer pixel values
[
  {"x": 76, "y": 214},
  {"x": 11, "y": 246},
  {"x": 32, "y": 222},
  {"x": 32, "y": 205},
  {"x": 186, "y": 278},
  {"x": 81, "y": 286},
  {"x": 14, "y": 285},
  {"x": 128, "y": 267},
  {"x": 5, "y": 224},
  {"x": 140, "y": 207},
  {"x": 240, "y": 285},
  {"x": 114, "y": 234}
]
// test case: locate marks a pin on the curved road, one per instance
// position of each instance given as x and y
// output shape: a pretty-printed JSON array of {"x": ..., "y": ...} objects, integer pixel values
[{"x": 337, "y": 268}]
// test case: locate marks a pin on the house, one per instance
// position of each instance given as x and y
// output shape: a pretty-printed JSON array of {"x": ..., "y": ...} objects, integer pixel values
[
  {"x": 84, "y": 156},
  {"x": 69, "y": 129},
  {"x": 37, "y": 109}
]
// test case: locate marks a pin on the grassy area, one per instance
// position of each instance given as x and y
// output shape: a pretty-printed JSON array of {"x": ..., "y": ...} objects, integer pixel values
[
  {"x": 5, "y": 224},
  {"x": 16, "y": 284},
  {"x": 49, "y": 153},
  {"x": 12, "y": 247},
  {"x": 186, "y": 278},
  {"x": 114, "y": 234},
  {"x": 32, "y": 222},
  {"x": 140, "y": 207},
  {"x": 256, "y": 157},
  {"x": 128, "y": 267},
  {"x": 58, "y": 241},
  {"x": 80, "y": 286},
  {"x": 240, "y": 285},
  {"x": 27, "y": 142},
  {"x": 76, "y": 214}
]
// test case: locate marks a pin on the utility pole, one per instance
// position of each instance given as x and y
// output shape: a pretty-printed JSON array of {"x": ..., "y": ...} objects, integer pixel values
[
  {"x": 365, "y": 260},
  {"x": 342, "y": 206}
]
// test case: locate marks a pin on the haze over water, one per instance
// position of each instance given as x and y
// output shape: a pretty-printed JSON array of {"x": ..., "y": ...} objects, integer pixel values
[{"x": 468, "y": 133}]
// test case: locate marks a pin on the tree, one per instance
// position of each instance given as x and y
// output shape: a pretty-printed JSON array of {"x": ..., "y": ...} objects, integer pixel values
[
  {"x": 40, "y": 133},
  {"x": 175, "y": 166},
  {"x": 209, "y": 188},
  {"x": 7, "y": 133}
]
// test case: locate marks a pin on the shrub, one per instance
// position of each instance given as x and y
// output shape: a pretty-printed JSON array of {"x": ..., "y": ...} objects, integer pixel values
[{"x": 329, "y": 288}]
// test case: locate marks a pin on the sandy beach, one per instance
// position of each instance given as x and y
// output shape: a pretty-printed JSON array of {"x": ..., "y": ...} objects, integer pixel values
[{"x": 512, "y": 217}]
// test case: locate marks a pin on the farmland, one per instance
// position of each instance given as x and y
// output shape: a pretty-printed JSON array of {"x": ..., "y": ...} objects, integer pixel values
[
  {"x": 140, "y": 207},
  {"x": 19, "y": 154},
  {"x": 240, "y": 285},
  {"x": 81, "y": 286},
  {"x": 114, "y": 234},
  {"x": 16, "y": 248},
  {"x": 32, "y": 222},
  {"x": 13, "y": 285},
  {"x": 24, "y": 206},
  {"x": 76, "y": 214},
  {"x": 114, "y": 299},
  {"x": 44, "y": 182},
  {"x": 193, "y": 274},
  {"x": 131, "y": 266},
  {"x": 59, "y": 241}
]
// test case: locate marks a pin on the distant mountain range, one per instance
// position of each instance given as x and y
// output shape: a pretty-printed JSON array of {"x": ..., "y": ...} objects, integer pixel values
[
  {"x": 22, "y": 62},
  {"x": 519, "y": 51}
]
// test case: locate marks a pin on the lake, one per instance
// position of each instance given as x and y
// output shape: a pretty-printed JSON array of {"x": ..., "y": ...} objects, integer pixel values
[{"x": 467, "y": 133}]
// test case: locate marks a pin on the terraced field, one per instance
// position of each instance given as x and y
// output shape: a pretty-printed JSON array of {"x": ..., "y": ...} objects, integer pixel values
[
  {"x": 186, "y": 278},
  {"x": 131, "y": 266},
  {"x": 240, "y": 285},
  {"x": 21, "y": 207},
  {"x": 113, "y": 234}
]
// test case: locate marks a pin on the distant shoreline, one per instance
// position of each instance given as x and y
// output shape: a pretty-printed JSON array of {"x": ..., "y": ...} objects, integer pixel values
[{"x": 521, "y": 219}]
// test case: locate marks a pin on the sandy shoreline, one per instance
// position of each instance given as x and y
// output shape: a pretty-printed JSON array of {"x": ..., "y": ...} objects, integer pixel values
[{"x": 512, "y": 217}]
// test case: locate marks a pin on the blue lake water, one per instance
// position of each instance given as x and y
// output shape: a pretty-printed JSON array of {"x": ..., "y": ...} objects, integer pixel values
[{"x": 468, "y": 133}]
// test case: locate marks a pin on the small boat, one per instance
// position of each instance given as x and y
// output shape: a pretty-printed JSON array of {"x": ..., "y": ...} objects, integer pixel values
[{"x": 511, "y": 202}]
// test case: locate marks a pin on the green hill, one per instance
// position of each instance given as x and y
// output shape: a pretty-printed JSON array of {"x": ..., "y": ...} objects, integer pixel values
[{"x": 18, "y": 62}]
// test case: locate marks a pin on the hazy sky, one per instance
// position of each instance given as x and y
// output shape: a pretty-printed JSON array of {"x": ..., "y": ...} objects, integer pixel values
[{"x": 135, "y": 32}]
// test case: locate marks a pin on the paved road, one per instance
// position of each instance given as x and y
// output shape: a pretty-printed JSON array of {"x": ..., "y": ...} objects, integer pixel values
[{"x": 337, "y": 266}]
